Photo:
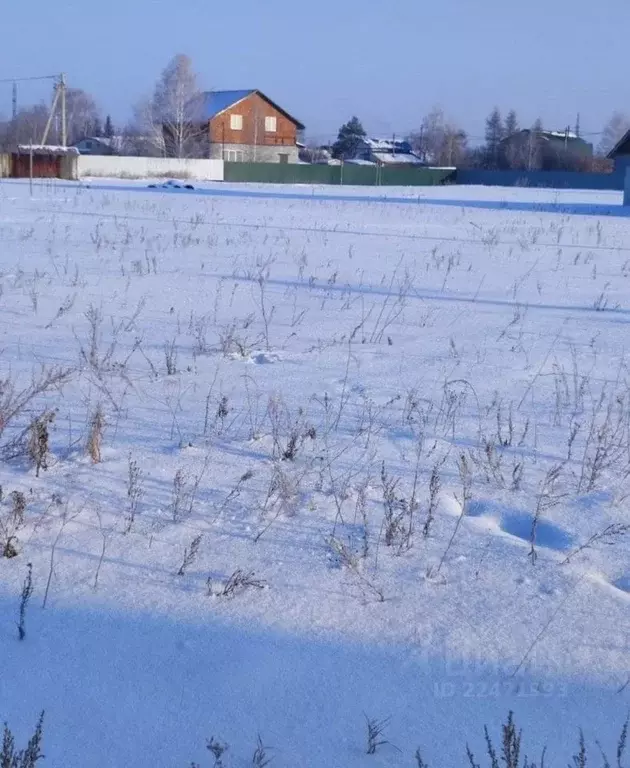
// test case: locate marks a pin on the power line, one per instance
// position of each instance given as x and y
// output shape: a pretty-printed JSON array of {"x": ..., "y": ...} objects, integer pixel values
[{"x": 28, "y": 79}]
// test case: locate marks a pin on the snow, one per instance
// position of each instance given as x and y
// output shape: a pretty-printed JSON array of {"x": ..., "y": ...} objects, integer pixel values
[
  {"x": 561, "y": 134},
  {"x": 389, "y": 338},
  {"x": 399, "y": 158},
  {"x": 47, "y": 149}
]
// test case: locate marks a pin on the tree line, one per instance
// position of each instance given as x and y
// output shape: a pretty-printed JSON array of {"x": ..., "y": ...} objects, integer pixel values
[
  {"x": 439, "y": 141},
  {"x": 164, "y": 123},
  {"x": 168, "y": 122}
]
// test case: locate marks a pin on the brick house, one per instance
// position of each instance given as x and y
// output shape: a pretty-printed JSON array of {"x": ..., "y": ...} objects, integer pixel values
[{"x": 246, "y": 126}]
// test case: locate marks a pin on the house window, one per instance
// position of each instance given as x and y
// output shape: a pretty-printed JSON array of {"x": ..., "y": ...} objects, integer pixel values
[
  {"x": 236, "y": 122},
  {"x": 271, "y": 124},
  {"x": 284, "y": 159},
  {"x": 233, "y": 156}
]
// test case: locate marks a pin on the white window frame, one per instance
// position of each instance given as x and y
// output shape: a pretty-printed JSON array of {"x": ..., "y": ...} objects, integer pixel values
[
  {"x": 236, "y": 122},
  {"x": 234, "y": 156},
  {"x": 271, "y": 124}
]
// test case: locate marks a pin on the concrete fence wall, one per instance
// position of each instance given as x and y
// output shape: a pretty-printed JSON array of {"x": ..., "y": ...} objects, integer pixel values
[{"x": 113, "y": 166}]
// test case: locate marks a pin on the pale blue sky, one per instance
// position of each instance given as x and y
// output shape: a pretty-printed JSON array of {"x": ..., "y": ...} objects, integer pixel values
[{"x": 387, "y": 62}]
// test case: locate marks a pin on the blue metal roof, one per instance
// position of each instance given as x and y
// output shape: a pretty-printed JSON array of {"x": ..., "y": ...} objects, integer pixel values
[{"x": 214, "y": 102}]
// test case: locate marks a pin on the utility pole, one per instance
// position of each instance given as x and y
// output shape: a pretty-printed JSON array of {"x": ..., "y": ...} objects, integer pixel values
[
  {"x": 15, "y": 100},
  {"x": 577, "y": 126},
  {"x": 64, "y": 124},
  {"x": 60, "y": 95}
]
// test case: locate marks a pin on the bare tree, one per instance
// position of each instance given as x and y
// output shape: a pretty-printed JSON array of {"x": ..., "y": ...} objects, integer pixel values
[
  {"x": 439, "y": 141},
  {"x": 82, "y": 114},
  {"x": 27, "y": 125},
  {"x": 614, "y": 130},
  {"x": 171, "y": 121}
]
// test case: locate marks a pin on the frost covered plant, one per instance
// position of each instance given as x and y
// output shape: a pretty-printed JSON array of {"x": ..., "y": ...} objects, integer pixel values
[
  {"x": 238, "y": 582},
  {"x": 170, "y": 357},
  {"x": 25, "y": 596},
  {"x": 38, "y": 440},
  {"x": 179, "y": 495},
  {"x": 512, "y": 755},
  {"x": 24, "y": 758},
  {"x": 547, "y": 499},
  {"x": 465, "y": 476},
  {"x": 185, "y": 490},
  {"x": 344, "y": 557},
  {"x": 217, "y": 749},
  {"x": 95, "y": 435},
  {"x": 608, "y": 535},
  {"x": 376, "y": 734},
  {"x": 190, "y": 554},
  {"x": 223, "y": 411},
  {"x": 11, "y": 522},
  {"x": 434, "y": 493},
  {"x": 288, "y": 434},
  {"x": 395, "y": 509},
  {"x": 135, "y": 492},
  {"x": 260, "y": 758},
  {"x": 13, "y": 399}
]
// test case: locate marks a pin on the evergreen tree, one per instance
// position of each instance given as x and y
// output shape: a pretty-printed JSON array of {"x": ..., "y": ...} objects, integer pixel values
[
  {"x": 494, "y": 136},
  {"x": 109, "y": 128},
  {"x": 348, "y": 140},
  {"x": 511, "y": 124}
]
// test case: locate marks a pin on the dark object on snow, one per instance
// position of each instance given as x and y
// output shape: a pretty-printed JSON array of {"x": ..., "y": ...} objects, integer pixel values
[{"x": 170, "y": 184}]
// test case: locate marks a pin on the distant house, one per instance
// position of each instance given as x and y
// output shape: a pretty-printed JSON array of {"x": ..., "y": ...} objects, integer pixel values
[
  {"x": 620, "y": 153},
  {"x": 247, "y": 126},
  {"x": 388, "y": 152},
  {"x": 100, "y": 145},
  {"x": 546, "y": 150}
]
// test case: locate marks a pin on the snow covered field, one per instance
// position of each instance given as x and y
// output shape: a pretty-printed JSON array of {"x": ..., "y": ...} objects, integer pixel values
[{"x": 357, "y": 460}]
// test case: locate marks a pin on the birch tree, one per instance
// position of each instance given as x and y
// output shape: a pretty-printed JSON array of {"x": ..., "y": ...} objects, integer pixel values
[{"x": 171, "y": 121}]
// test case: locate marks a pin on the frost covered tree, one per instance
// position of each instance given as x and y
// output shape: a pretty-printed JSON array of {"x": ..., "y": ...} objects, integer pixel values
[
  {"x": 511, "y": 123},
  {"x": 28, "y": 125},
  {"x": 427, "y": 143},
  {"x": 82, "y": 115},
  {"x": 349, "y": 139},
  {"x": 96, "y": 128},
  {"x": 439, "y": 141},
  {"x": 614, "y": 129},
  {"x": 108, "y": 131},
  {"x": 169, "y": 121},
  {"x": 494, "y": 135}
]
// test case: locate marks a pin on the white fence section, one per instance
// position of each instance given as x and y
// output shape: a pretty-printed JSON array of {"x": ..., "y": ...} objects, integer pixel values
[{"x": 113, "y": 166}]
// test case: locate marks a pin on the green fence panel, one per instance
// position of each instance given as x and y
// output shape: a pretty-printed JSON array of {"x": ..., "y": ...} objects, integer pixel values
[
  {"x": 348, "y": 175},
  {"x": 279, "y": 173}
]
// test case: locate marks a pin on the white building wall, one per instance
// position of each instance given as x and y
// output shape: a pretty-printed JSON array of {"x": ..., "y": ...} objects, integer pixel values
[{"x": 250, "y": 153}]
